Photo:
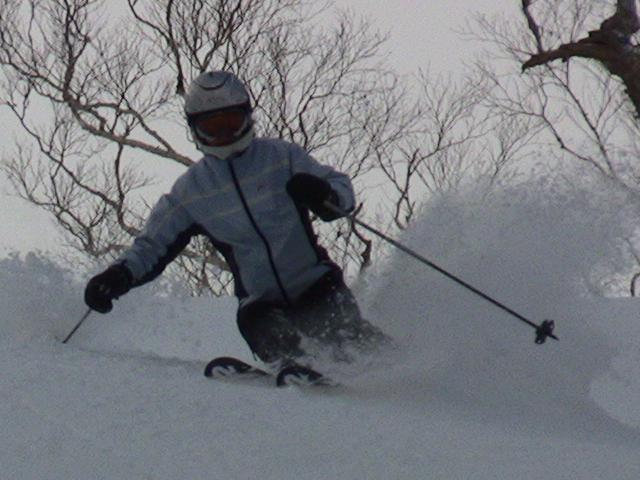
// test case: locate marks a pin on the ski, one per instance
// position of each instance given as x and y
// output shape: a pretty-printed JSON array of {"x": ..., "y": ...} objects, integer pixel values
[
  {"x": 231, "y": 369},
  {"x": 299, "y": 376}
]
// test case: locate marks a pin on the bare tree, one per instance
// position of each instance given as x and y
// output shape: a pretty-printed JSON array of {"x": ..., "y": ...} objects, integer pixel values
[
  {"x": 611, "y": 44},
  {"x": 100, "y": 103},
  {"x": 453, "y": 138},
  {"x": 92, "y": 96},
  {"x": 579, "y": 109},
  {"x": 569, "y": 69}
]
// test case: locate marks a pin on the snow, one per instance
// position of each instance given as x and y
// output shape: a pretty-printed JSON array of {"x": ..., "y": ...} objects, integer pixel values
[{"x": 470, "y": 396}]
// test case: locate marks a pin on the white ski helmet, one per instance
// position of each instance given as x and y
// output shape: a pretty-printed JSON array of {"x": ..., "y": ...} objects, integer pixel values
[{"x": 218, "y": 110}]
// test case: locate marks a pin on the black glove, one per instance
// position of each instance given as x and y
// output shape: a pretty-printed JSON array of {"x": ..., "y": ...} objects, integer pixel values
[
  {"x": 106, "y": 287},
  {"x": 311, "y": 192}
]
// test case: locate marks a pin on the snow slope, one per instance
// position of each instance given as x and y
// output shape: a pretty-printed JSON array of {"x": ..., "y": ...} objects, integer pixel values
[{"x": 470, "y": 397}]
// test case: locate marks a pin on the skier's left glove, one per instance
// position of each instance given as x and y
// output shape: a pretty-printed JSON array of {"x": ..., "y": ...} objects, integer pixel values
[
  {"x": 311, "y": 192},
  {"x": 106, "y": 287}
]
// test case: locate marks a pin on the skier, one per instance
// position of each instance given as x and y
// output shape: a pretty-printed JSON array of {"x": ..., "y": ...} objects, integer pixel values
[{"x": 251, "y": 197}]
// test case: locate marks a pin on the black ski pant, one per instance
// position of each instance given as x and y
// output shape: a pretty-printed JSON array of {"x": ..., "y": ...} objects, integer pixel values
[{"x": 327, "y": 313}]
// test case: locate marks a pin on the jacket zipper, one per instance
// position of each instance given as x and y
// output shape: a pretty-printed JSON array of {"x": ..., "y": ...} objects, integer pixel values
[{"x": 260, "y": 234}]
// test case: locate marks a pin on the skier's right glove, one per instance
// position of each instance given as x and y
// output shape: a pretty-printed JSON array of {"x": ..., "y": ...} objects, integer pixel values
[{"x": 106, "y": 287}]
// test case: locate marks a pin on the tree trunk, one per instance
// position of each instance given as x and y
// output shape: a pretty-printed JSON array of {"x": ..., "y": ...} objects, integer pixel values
[{"x": 610, "y": 45}]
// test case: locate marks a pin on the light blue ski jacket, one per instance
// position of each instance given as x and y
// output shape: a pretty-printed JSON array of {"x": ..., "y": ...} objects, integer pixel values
[{"x": 242, "y": 206}]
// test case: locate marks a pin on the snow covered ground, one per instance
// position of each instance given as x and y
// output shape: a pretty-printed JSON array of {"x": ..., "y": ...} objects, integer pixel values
[{"x": 471, "y": 396}]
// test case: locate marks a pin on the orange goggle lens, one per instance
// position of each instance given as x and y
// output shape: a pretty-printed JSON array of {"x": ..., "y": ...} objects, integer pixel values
[{"x": 222, "y": 124}]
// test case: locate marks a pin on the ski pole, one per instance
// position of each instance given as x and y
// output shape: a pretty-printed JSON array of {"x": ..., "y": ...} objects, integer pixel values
[
  {"x": 84, "y": 317},
  {"x": 543, "y": 331}
]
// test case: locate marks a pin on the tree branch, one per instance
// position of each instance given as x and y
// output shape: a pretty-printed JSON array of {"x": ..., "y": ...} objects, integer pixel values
[{"x": 610, "y": 45}]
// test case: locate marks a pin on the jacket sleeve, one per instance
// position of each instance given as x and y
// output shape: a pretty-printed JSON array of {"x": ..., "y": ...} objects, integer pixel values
[
  {"x": 302, "y": 162},
  {"x": 168, "y": 231}
]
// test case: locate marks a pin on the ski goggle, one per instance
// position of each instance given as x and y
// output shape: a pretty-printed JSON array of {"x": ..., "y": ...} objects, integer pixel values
[{"x": 222, "y": 128}]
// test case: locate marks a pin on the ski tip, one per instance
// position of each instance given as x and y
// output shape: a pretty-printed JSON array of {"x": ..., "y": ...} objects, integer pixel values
[
  {"x": 222, "y": 367},
  {"x": 303, "y": 377}
]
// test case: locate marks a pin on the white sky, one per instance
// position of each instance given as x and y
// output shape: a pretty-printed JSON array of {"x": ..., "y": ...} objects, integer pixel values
[
  {"x": 425, "y": 32},
  {"x": 422, "y": 34}
]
